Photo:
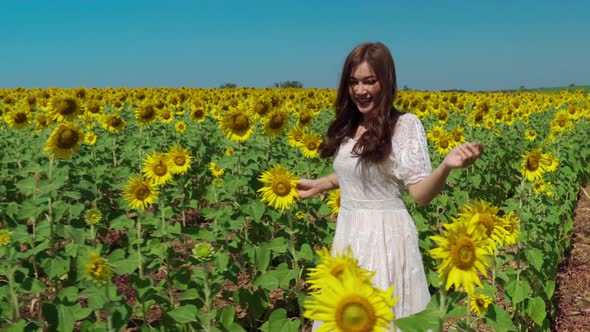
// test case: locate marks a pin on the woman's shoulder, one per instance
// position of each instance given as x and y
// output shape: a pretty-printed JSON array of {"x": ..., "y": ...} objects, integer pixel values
[{"x": 408, "y": 120}]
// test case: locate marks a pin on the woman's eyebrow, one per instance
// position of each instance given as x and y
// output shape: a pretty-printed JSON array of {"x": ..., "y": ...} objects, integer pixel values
[{"x": 363, "y": 78}]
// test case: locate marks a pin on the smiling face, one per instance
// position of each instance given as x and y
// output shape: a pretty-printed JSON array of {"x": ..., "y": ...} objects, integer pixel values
[{"x": 364, "y": 88}]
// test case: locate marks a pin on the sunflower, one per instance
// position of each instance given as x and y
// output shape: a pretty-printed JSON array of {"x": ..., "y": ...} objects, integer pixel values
[
  {"x": 166, "y": 115},
  {"x": 530, "y": 134},
  {"x": 532, "y": 168},
  {"x": 229, "y": 152},
  {"x": 464, "y": 250},
  {"x": 5, "y": 237},
  {"x": 482, "y": 213},
  {"x": 90, "y": 138},
  {"x": 334, "y": 201},
  {"x": 511, "y": 224},
  {"x": 64, "y": 108},
  {"x": 216, "y": 171},
  {"x": 435, "y": 133},
  {"x": 304, "y": 118},
  {"x": 310, "y": 144},
  {"x": 64, "y": 141},
  {"x": 295, "y": 136},
  {"x": 203, "y": 251},
  {"x": 334, "y": 266},
  {"x": 549, "y": 162},
  {"x": 113, "y": 122},
  {"x": 180, "y": 126},
  {"x": 279, "y": 188},
  {"x": 181, "y": 160},
  {"x": 457, "y": 135},
  {"x": 42, "y": 121},
  {"x": 198, "y": 114},
  {"x": 146, "y": 114},
  {"x": 139, "y": 193},
  {"x": 444, "y": 144},
  {"x": 92, "y": 216},
  {"x": 442, "y": 116},
  {"x": 275, "y": 123},
  {"x": 479, "y": 303},
  {"x": 98, "y": 269},
  {"x": 157, "y": 168},
  {"x": 300, "y": 215},
  {"x": 237, "y": 125},
  {"x": 350, "y": 303},
  {"x": 19, "y": 118}
]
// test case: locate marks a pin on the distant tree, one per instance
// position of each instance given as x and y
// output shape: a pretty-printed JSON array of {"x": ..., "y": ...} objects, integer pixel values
[
  {"x": 406, "y": 87},
  {"x": 289, "y": 84},
  {"x": 572, "y": 85},
  {"x": 522, "y": 87},
  {"x": 228, "y": 86}
]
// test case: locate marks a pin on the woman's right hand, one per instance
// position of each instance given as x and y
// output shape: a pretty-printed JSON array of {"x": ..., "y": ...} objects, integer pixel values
[{"x": 307, "y": 188}]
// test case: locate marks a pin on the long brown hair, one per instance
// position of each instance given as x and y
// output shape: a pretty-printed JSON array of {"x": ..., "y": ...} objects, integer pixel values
[{"x": 375, "y": 144}]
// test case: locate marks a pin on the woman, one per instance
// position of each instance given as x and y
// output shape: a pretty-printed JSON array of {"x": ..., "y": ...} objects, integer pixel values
[{"x": 377, "y": 152}]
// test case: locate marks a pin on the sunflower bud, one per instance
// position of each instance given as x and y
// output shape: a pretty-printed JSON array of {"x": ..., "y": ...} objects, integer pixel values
[{"x": 203, "y": 251}]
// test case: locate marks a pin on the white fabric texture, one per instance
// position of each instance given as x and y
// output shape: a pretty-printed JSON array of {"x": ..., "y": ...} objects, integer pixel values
[{"x": 373, "y": 219}]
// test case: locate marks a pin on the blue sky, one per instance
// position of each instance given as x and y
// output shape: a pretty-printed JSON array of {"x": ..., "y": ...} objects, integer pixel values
[{"x": 471, "y": 45}]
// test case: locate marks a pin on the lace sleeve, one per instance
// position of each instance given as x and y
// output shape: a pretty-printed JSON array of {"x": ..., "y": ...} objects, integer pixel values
[{"x": 411, "y": 162}]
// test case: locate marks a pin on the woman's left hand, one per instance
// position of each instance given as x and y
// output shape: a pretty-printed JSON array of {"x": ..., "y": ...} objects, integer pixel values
[{"x": 464, "y": 155}]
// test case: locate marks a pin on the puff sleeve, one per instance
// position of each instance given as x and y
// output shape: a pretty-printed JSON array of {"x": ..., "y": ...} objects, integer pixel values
[{"x": 411, "y": 162}]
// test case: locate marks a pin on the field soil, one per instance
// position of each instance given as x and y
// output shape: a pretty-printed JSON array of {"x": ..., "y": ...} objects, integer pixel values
[{"x": 573, "y": 282}]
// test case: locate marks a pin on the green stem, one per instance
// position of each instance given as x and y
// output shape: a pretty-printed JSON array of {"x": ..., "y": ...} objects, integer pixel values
[
  {"x": 13, "y": 295},
  {"x": 139, "y": 237},
  {"x": 108, "y": 309}
]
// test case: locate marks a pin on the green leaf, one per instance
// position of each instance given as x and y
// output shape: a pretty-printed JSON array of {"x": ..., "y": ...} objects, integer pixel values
[
  {"x": 226, "y": 316},
  {"x": 267, "y": 281},
  {"x": 184, "y": 314},
  {"x": 121, "y": 223},
  {"x": 278, "y": 321},
  {"x": 518, "y": 290},
  {"x": 535, "y": 257},
  {"x": 498, "y": 319},
  {"x": 550, "y": 289},
  {"x": 189, "y": 294},
  {"x": 221, "y": 261},
  {"x": 429, "y": 319},
  {"x": 306, "y": 252},
  {"x": 536, "y": 310}
]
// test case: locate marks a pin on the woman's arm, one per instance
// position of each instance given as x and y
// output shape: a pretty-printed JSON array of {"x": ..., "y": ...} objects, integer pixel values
[
  {"x": 462, "y": 156},
  {"x": 308, "y": 188}
]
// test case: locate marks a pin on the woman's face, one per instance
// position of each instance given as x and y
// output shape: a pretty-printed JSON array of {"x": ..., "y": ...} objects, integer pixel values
[{"x": 364, "y": 87}]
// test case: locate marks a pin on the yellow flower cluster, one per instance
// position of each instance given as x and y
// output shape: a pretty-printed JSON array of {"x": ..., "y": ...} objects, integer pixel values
[
  {"x": 467, "y": 244},
  {"x": 343, "y": 297}
]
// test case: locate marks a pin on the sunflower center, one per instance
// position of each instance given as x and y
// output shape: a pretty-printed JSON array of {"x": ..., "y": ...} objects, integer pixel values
[
  {"x": 355, "y": 313},
  {"x": 20, "y": 118},
  {"x": 67, "y": 139},
  {"x": 463, "y": 254},
  {"x": 311, "y": 145},
  {"x": 148, "y": 113},
  {"x": 161, "y": 168},
  {"x": 166, "y": 115},
  {"x": 179, "y": 160},
  {"x": 198, "y": 114},
  {"x": 480, "y": 303},
  {"x": 305, "y": 118},
  {"x": 115, "y": 121},
  {"x": 532, "y": 163},
  {"x": 66, "y": 106},
  {"x": 561, "y": 123},
  {"x": 444, "y": 143},
  {"x": 276, "y": 121},
  {"x": 281, "y": 187},
  {"x": 457, "y": 136},
  {"x": 142, "y": 192},
  {"x": 489, "y": 223},
  {"x": 240, "y": 122}
]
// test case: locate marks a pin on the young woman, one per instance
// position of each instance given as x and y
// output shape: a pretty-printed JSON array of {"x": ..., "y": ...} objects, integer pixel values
[{"x": 378, "y": 151}]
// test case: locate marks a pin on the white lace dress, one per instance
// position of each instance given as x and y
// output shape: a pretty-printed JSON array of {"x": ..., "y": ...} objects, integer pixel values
[{"x": 373, "y": 219}]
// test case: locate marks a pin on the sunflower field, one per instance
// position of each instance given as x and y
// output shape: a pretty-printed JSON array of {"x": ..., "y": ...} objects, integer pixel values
[{"x": 176, "y": 209}]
